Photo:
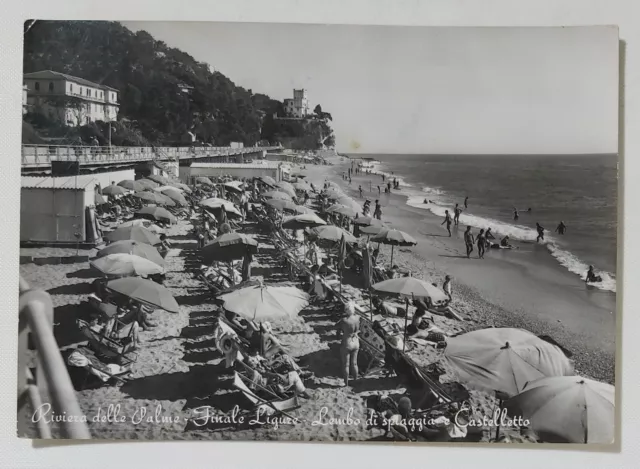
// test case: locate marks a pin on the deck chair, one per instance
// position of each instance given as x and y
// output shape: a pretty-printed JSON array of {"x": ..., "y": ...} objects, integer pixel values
[
  {"x": 269, "y": 407},
  {"x": 120, "y": 351},
  {"x": 87, "y": 360}
]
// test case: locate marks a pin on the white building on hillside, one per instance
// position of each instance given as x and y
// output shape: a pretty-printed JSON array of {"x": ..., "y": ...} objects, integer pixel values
[
  {"x": 71, "y": 100},
  {"x": 299, "y": 105}
]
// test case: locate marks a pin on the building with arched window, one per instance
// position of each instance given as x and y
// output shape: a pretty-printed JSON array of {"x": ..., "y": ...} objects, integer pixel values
[{"x": 71, "y": 100}]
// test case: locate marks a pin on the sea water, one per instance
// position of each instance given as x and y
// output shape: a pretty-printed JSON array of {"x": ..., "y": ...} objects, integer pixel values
[{"x": 580, "y": 190}]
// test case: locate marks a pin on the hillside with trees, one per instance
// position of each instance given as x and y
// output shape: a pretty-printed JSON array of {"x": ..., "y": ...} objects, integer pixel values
[{"x": 151, "y": 77}]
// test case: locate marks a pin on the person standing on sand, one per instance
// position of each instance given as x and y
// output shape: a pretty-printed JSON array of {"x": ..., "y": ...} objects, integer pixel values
[
  {"x": 562, "y": 228},
  {"x": 447, "y": 220},
  {"x": 466, "y": 199},
  {"x": 468, "y": 241},
  {"x": 348, "y": 327},
  {"x": 456, "y": 214},
  {"x": 378, "y": 191},
  {"x": 360, "y": 190},
  {"x": 540, "y": 231},
  {"x": 349, "y": 179},
  {"x": 481, "y": 240},
  {"x": 377, "y": 212},
  {"x": 446, "y": 286},
  {"x": 389, "y": 187}
]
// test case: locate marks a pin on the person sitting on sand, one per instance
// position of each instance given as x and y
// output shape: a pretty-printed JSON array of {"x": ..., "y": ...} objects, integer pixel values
[
  {"x": 348, "y": 327},
  {"x": 285, "y": 380},
  {"x": 384, "y": 308},
  {"x": 591, "y": 276},
  {"x": 394, "y": 272},
  {"x": 505, "y": 242},
  {"x": 131, "y": 330}
]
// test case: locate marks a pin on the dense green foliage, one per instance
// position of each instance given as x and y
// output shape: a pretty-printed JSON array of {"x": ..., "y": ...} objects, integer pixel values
[{"x": 150, "y": 77}]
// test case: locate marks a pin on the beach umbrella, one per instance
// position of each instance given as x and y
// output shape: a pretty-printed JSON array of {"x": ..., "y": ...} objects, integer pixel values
[
  {"x": 216, "y": 204},
  {"x": 301, "y": 186},
  {"x": 567, "y": 409},
  {"x": 154, "y": 198},
  {"x": 159, "y": 179},
  {"x": 161, "y": 188},
  {"x": 148, "y": 224},
  {"x": 133, "y": 247},
  {"x": 372, "y": 229},
  {"x": 281, "y": 205},
  {"x": 176, "y": 196},
  {"x": 98, "y": 199},
  {"x": 183, "y": 187},
  {"x": 267, "y": 180},
  {"x": 145, "y": 291},
  {"x": 504, "y": 359},
  {"x": 342, "y": 210},
  {"x": 114, "y": 190},
  {"x": 158, "y": 213},
  {"x": 394, "y": 238},
  {"x": 361, "y": 220},
  {"x": 349, "y": 202},
  {"x": 286, "y": 188},
  {"x": 333, "y": 233},
  {"x": 234, "y": 186},
  {"x": 261, "y": 302},
  {"x": 135, "y": 233},
  {"x": 278, "y": 195},
  {"x": 333, "y": 194},
  {"x": 148, "y": 184},
  {"x": 125, "y": 265},
  {"x": 229, "y": 247},
  {"x": 299, "y": 222},
  {"x": 409, "y": 288},
  {"x": 204, "y": 180},
  {"x": 132, "y": 185}
]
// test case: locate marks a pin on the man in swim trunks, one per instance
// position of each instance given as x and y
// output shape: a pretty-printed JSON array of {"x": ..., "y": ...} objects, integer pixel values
[
  {"x": 481, "y": 240},
  {"x": 561, "y": 228},
  {"x": 456, "y": 214},
  {"x": 466, "y": 199},
  {"x": 515, "y": 214},
  {"x": 377, "y": 212},
  {"x": 348, "y": 327},
  {"x": 489, "y": 235},
  {"x": 540, "y": 231},
  {"x": 468, "y": 241},
  {"x": 447, "y": 220}
]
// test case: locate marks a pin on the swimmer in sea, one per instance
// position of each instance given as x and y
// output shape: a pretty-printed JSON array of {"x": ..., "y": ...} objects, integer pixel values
[
  {"x": 540, "y": 231},
  {"x": 561, "y": 228},
  {"x": 481, "y": 241},
  {"x": 515, "y": 214},
  {"x": 468, "y": 241},
  {"x": 591, "y": 276},
  {"x": 456, "y": 214},
  {"x": 466, "y": 199},
  {"x": 447, "y": 220}
]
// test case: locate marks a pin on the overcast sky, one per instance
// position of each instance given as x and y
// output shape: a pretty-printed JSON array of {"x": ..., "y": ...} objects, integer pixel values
[{"x": 427, "y": 90}]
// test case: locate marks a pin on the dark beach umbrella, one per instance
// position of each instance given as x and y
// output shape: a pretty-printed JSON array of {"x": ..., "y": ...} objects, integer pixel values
[
  {"x": 154, "y": 198},
  {"x": 132, "y": 185},
  {"x": 137, "y": 248},
  {"x": 157, "y": 213},
  {"x": 148, "y": 184},
  {"x": 176, "y": 196},
  {"x": 204, "y": 180},
  {"x": 159, "y": 179},
  {"x": 114, "y": 190},
  {"x": 394, "y": 238},
  {"x": 267, "y": 180},
  {"x": 135, "y": 233},
  {"x": 229, "y": 247},
  {"x": 145, "y": 291},
  {"x": 306, "y": 220}
]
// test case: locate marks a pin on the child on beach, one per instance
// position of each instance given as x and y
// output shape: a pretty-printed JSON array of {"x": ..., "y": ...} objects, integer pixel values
[
  {"x": 348, "y": 327},
  {"x": 446, "y": 286}
]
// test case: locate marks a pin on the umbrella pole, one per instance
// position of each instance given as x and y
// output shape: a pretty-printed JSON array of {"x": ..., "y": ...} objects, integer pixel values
[
  {"x": 499, "y": 419},
  {"x": 392, "y": 255},
  {"x": 406, "y": 319}
]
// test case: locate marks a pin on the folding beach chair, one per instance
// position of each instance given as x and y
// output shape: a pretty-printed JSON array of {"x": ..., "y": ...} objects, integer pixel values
[
  {"x": 106, "y": 347},
  {"x": 86, "y": 359},
  {"x": 270, "y": 407}
]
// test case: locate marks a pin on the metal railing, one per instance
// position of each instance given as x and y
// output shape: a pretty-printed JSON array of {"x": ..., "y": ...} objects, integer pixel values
[
  {"x": 51, "y": 384},
  {"x": 43, "y": 155}
]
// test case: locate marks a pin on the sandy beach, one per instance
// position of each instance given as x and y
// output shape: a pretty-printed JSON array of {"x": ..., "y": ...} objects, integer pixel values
[{"x": 180, "y": 388}]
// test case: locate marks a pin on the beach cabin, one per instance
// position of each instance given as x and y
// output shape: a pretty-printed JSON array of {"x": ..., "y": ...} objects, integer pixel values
[
  {"x": 58, "y": 210},
  {"x": 188, "y": 174}
]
